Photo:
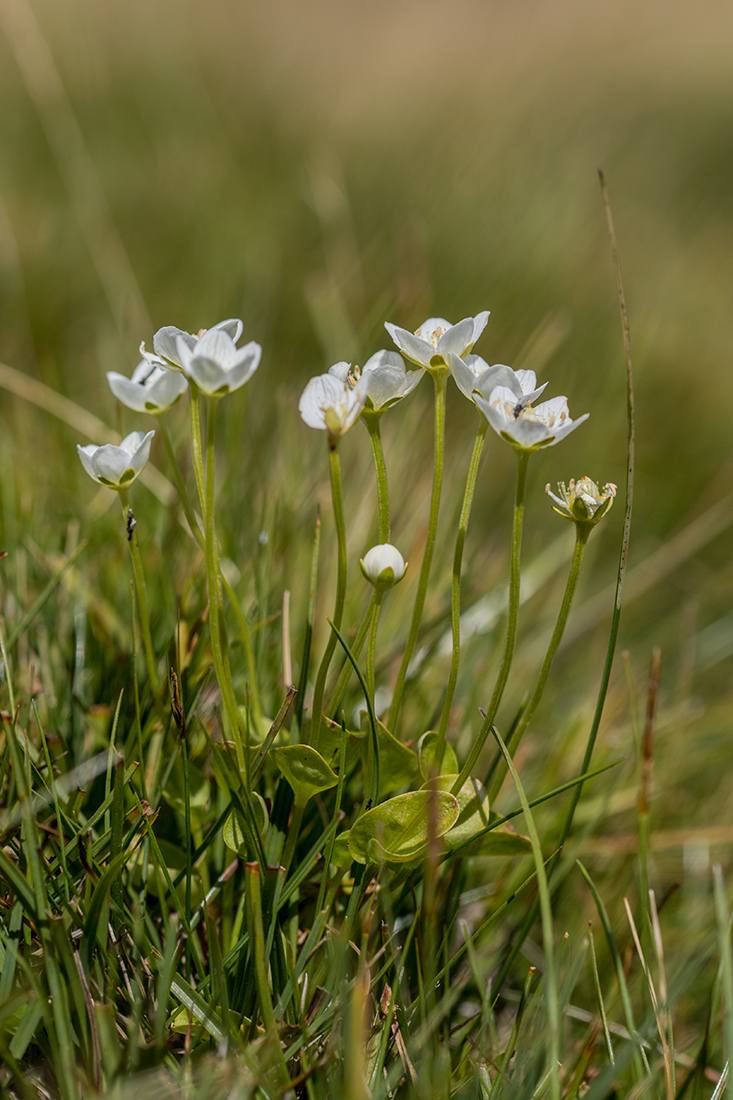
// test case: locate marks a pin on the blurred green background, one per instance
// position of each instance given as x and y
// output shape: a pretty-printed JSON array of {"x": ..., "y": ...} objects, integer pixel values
[{"x": 320, "y": 168}]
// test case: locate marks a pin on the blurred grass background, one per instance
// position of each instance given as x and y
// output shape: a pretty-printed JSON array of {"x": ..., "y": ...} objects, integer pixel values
[{"x": 318, "y": 169}]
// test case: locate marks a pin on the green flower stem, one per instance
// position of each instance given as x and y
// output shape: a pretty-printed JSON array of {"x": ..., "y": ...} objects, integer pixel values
[
  {"x": 372, "y": 421},
  {"x": 512, "y": 616},
  {"x": 456, "y": 583},
  {"x": 197, "y": 451},
  {"x": 188, "y": 511},
  {"x": 254, "y": 890},
  {"x": 187, "y": 822},
  {"x": 193, "y": 524},
  {"x": 142, "y": 602},
  {"x": 356, "y": 649},
  {"x": 441, "y": 381},
  {"x": 582, "y": 531},
  {"x": 221, "y": 665},
  {"x": 249, "y": 654},
  {"x": 377, "y": 604},
  {"x": 338, "y": 513}
]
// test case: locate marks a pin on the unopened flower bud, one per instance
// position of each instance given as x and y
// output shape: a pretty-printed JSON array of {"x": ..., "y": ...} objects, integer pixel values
[{"x": 383, "y": 566}]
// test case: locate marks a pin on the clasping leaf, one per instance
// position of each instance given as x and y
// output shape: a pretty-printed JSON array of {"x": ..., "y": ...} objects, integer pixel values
[
  {"x": 397, "y": 830},
  {"x": 305, "y": 770}
]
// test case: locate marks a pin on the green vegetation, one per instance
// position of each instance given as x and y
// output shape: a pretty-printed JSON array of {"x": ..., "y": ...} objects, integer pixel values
[{"x": 181, "y": 908}]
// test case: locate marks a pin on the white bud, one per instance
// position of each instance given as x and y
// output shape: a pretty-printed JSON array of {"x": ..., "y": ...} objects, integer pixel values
[{"x": 383, "y": 565}]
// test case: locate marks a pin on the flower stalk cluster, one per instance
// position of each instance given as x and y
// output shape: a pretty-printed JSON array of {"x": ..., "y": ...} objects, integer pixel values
[{"x": 212, "y": 365}]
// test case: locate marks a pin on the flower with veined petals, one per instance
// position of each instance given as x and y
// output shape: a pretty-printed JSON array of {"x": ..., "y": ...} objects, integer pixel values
[
  {"x": 151, "y": 389},
  {"x": 383, "y": 566},
  {"x": 165, "y": 342},
  {"x": 331, "y": 405},
  {"x": 527, "y": 428},
  {"x": 474, "y": 375},
  {"x": 117, "y": 466},
  {"x": 582, "y": 501},
  {"x": 215, "y": 364},
  {"x": 430, "y": 344},
  {"x": 387, "y": 381}
]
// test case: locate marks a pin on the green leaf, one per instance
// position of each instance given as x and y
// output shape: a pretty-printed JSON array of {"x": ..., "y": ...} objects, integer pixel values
[
  {"x": 233, "y": 833},
  {"x": 341, "y": 856},
  {"x": 397, "y": 830},
  {"x": 427, "y": 756},
  {"x": 397, "y": 763},
  {"x": 305, "y": 770},
  {"x": 473, "y": 801}
]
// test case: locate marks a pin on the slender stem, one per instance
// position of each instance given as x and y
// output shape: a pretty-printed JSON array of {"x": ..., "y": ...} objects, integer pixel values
[
  {"x": 422, "y": 587},
  {"x": 197, "y": 453},
  {"x": 188, "y": 511},
  {"x": 187, "y": 823},
  {"x": 221, "y": 666},
  {"x": 338, "y": 514},
  {"x": 372, "y": 642},
  {"x": 249, "y": 655},
  {"x": 356, "y": 648},
  {"x": 620, "y": 580},
  {"x": 511, "y": 630},
  {"x": 142, "y": 602},
  {"x": 193, "y": 524},
  {"x": 456, "y": 583},
  {"x": 252, "y": 872},
  {"x": 372, "y": 421},
  {"x": 582, "y": 531}
]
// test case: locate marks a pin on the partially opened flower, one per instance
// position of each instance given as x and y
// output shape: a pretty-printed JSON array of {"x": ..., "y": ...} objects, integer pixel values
[
  {"x": 525, "y": 427},
  {"x": 152, "y": 388},
  {"x": 214, "y": 362},
  {"x": 430, "y": 344},
  {"x": 473, "y": 375},
  {"x": 117, "y": 466},
  {"x": 331, "y": 404},
  {"x": 386, "y": 379},
  {"x": 383, "y": 565},
  {"x": 165, "y": 342},
  {"x": 582, "y": 501}
]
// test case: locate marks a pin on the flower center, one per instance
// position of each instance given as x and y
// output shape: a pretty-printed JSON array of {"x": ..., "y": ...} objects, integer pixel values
[{"x": 431, "y": 338}]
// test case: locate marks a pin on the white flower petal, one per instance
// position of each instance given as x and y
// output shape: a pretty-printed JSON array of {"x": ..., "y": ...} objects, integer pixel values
[
  {"x": 216, "y": 345},
  {"x": 413, "y": 347},
  {"x": 340, "y": 370},
  {"x": 480, "y": 322},
  {"x": 110, "y": 463},
  {"x": 387, "y": 380},
  {"x": 142, "y": 453},
  {"x": 232, "y": 327},
  {"x": 166, "y": 343},
  {"x": 86, "y": 454},
  {"x": 458, "y": 338}
]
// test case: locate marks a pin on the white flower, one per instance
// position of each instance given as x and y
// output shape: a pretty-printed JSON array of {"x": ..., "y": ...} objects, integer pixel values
[
  {"x": 582, "y": 501},
  {"x": 216, "y": 364},
  {"x": 430, "y": 345},
  {"x": 383, "y": 565},
  {"x": 387, "y": 381},
  {"x": 473, "y": 374},
  {"x": 330, "y": 404},
  {"x": 165, "y": 342},
  {"x": 151, "y": 389},
  {"x": 117, "y": 467},
  {"x": 527, "y": 428}
]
